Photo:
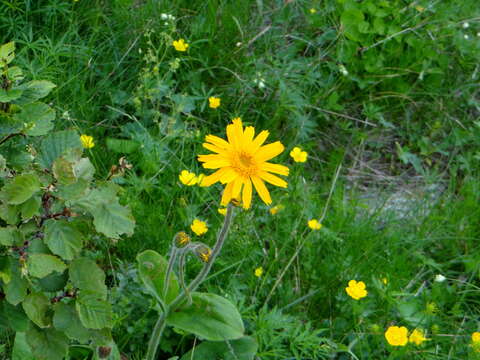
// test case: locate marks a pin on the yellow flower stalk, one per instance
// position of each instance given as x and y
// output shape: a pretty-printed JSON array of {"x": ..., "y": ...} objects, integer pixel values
[{"x": 242, "y": 163}]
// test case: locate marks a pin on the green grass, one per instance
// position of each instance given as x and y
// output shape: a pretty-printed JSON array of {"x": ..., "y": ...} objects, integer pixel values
[{"x": 400, "y": 131}]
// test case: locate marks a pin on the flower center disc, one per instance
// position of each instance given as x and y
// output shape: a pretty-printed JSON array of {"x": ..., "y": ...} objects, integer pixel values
[{"x": 245, "y": 164}]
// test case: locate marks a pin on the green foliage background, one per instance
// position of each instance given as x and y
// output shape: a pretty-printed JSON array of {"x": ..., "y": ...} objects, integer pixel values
[{"x": 387, "y": 89}]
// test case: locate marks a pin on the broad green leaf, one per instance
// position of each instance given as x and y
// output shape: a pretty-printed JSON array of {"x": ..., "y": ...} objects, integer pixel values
[
  {"x": 113, "y": 220},
  {"x": 41, "y": 265},
  {"x": 21, "y": 188},
  {"x": 63, "y": 239},
  {"x": 47, "y": 344},
  {"x": 36, "y": 306},
  {"x": 241, "y": 349},
  {"x": 84, "y": 170},
  {"x": 13, "y": 316},
  {"x": 107, "y": 352},
  {"x": 210, "y": 317},
  {"x": 21, "y": 349},
  {"x": 9, "y": 95},
  {"x": 66, "y": 319},
  {"x": 34, "y": 90},
  {"x": 63, "y": 171},
  {"x": 30, "y": 208},
  {"x": 37, "y": 117},
  {"x": 7, "y": 53},
  {"x": 9, "y": 213},
  {"x": 122, "y": 146},
  {"x": 73, "y": 192},
  {"x": 5, "y": 269},
  {"x": 94, "y": 311},
  {"x": 53, "y": 282},
  {"x": 10, "y": 235},
  {"x": 16, "y": 289},
  {"x": 152, "y": 268},
  {"x": 14, "y": 73},
  {"x": 56, "y": 144},
  {"x": 86, "y": 275}
]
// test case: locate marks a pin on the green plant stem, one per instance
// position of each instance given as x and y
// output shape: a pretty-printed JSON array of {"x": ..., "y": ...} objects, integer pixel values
[
  {"x": 156, "y": 335},
  {"x": 161, "y": 322},
  {"x": 171, "y": 262}
]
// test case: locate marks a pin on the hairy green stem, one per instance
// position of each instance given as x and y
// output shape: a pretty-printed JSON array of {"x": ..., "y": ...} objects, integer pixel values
[
  {"x": 181, "y": 273},
  {"x": 161, "y": 322},
  {"x": 171, "y": 262}
]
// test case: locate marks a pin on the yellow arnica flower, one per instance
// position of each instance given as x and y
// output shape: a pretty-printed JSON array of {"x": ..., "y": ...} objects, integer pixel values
[
  {"x": 214, "y": 102},
  {"x": 87, "y": 141},
  {"x": 259, "y": 271},
  {"x": 356, "y": 290},
  {"x": 180, "y": 45},
  {"x": 187, "y": 178},
  {"x": 298, "y": 155},
  {"x": 314, "y": 224},
  {"x": 222, "y": 211},
  {"x": 417, "y": 337},
  {"x": 199, "y": 227},
  {"x": 397, "y": 336},
  {"x": 243, "y": 161}
]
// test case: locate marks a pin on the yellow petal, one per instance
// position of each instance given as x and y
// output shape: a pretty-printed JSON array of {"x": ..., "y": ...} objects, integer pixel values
[
  {"x": 275, "y": 168},
  {"x": 227, "y": 194},
  {"x": 248, "y": 135},
  {"x": 272, "y": 179},
  {"x": 262, "y": 190},
  {"x": 213, "y": 148},
  {"x": 247, "y": 194},
  {"x": 269, "y": 151},
  {"x": 259, "y": 140},
  {"x": 215, "y": 177},
  {"x": 215, "y": 140},
  {"x": 228, "y": 176},
  {"x": 237, "y": 187}
]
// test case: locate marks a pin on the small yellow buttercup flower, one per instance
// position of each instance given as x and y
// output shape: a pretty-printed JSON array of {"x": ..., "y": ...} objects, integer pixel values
[
  {"x": 298, "y": 155},
  {"x": 417, "y": 337},
  {"x": 222, "y": 211},
  {"x": 476, "y": 337},
  {"x": 214, "y": 102},
  {"x": 199, "y": 227},
  {"x": 312, "y": 11},
  {"x": 187, "y": 178},
  {"x": 356, "y": 290},
  {"x": 275, "y": 209},
  {"x": 199, "y": 179},
  {"x": 180, "y": 45},
  {"x": 314, "y": 224},
  {"x": 259, "y": 271},
  {"x": 385, "y": 281},
  {"x": 87, "y": 141},
  {"x": 397, "y": 336}
]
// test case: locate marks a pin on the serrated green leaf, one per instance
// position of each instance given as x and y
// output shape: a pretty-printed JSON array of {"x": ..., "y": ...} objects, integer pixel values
[
  {"x": 53, "y": 282},
  {"x": 30, "y": 208},
  {"x": 152, "y": 268},
  {"x": 9, "y": 213},
  {"x": 242, "y": 349},
  {"x": 21, "y": 188},
  {"x": 210, "y": 317},
  {"x": 63, "y": 239},
  {"x": 37, "y": 117},
  {"x": 56, "y": 144},
  {"x": 5, "y": 269},
  {"x": 94, "y": 311},
  {"x": 73, "y": 192},
  {"x": 113, "y": 220},
  {"x": 34, "y": 90},
  {"x": 10, "y": 235},
  {"x": 86, "y": 275},
  {"x": 41, "y": 265},
  {"x": 84, "y": 170},
  {"x": 63, "y": 171},
  {"x": 47, "y": 344},
  {"x": 15, "y": 316},
  {"x": 36, "y": 306},
  {"x": 66, "y": 319},
  {"x": 16, "y": 289}
]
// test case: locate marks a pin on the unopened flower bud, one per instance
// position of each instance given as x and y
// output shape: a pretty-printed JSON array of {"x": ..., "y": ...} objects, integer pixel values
[
  {"x": 182, "y": 239},
  {"x": 203, "y": 252}
]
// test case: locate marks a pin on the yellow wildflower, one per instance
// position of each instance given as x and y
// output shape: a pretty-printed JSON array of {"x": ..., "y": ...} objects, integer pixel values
[
  {"x": 298, "y": 155},
  {"x": 416, "y": 337},
  {"x": 199, "y": 227},
  {"x": 222, "y": 211},
  {"x": 397, "y": 336},
  {"x": 199, "y": 179},
  {"x": 385, "y": 281},
  {"x": 87, "y": 141},
  {"x": 314, "y": 224},
  {"x": 312, "y": 11},
  {"x": 274, "y": 210},
  {"x": 476, "y": 337},
  {"x": 356, "y": 290},
  {"x": 187, "y": 178},
  {"x": 259, "y": 271},
  {"x": 243, "y": 162},
  {"x": 214, "y": 102},
  {"x": 180, "y": 45}
]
